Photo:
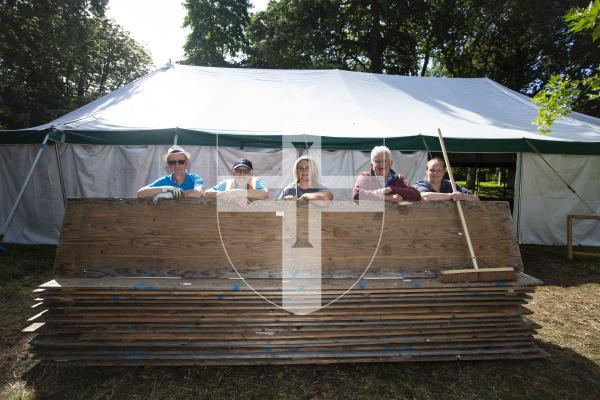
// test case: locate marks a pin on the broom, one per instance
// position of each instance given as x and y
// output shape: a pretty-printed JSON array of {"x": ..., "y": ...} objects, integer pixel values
[{"x": 471, "y": 274}]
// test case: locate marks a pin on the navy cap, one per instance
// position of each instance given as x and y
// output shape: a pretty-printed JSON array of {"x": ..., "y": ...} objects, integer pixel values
[{"x": 242, "y": 163}]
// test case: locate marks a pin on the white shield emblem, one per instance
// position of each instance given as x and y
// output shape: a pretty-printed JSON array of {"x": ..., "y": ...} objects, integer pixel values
[{"x": 301, "y": 238}]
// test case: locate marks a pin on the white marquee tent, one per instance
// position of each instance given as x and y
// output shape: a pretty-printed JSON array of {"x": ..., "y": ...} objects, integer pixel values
[{"x": 114, "y": 145}]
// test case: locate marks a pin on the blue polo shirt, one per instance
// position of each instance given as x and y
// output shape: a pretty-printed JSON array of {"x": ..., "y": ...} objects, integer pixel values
[
  {"x": 190, "y": 182},
  {"x": 445, "y": 187}
]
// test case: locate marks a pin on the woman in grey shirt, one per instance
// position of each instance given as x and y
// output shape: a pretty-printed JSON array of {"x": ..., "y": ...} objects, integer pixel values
[{"x": 306, "y": 186}]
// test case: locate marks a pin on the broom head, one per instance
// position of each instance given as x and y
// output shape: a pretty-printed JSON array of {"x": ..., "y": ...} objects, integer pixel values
[{"x": 478, "y": 275}]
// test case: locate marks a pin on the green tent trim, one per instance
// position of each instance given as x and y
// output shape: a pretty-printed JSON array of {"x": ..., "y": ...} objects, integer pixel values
[{"x": 200, "y": 138}]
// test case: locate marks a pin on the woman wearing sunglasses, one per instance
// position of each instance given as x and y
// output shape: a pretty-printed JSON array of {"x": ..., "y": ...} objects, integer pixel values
[{"x": 179, "y": 183}]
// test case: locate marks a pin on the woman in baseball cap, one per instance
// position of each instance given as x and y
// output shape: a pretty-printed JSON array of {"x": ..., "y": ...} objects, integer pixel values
[{"x": 242, "y": 187}]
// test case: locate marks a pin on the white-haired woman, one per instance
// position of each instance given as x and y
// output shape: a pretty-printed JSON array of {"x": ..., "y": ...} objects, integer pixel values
[
  {"x": 435, "y": 187},
  {"x": 306, "y": 185},
  {"x": 382, "y": 182}
]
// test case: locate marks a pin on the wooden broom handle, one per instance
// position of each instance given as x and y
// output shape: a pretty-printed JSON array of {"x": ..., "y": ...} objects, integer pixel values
[{"x": 458, "y": 205}]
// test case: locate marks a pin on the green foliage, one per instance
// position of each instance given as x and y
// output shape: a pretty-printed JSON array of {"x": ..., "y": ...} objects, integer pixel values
[
  {"x": 562, "y": 93},
  {"x": 57, "y": 55},
  {"x": 218, "y": 31},
  {"x": 585, "y": 19},
  {"x": 519, "y": 44},
  {"x": 296, "y": 34},
  {"x": 380, "y": 36},
  {"x": 555, "y": 101}
]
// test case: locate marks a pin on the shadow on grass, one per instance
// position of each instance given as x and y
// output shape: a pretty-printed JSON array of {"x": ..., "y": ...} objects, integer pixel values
[
  {"x": 566, "y": 375},
  {"x": 25, "y": 265},
  {"x": 553, "y": 267}
]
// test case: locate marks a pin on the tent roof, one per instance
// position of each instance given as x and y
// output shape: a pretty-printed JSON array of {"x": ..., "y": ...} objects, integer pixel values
[{"x": 347, "y": 109}]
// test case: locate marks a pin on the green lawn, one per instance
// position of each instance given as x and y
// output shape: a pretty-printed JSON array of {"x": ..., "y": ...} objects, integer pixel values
[
  {"x": 491, "y": 191},
  {"x": 568, "y": 308}
]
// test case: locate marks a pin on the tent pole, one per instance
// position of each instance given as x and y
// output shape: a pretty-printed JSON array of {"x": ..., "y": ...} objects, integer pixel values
[
  {"x": 426, "y": 147},
  {"x": 14, "y": 208},
  {"x": 519, "y": 171},
  {"x": 560, "y": 177},
  {"x": 60, "y": 174}
]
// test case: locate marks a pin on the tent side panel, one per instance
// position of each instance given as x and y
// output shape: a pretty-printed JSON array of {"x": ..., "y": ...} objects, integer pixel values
[
  {"x": 38, "y": 218},
  {"x": 118, "y": 171},
  {"x": 545, "y": 200}
]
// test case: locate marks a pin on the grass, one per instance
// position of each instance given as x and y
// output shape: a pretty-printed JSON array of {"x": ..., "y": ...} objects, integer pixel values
[
  {"x": 490, "y": 191},
  {"x": 567, "y": 307}
]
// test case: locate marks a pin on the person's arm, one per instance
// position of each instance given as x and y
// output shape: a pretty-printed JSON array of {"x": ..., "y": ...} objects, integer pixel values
[
  {"x": 401, "y": 187},
  {"x": 198, "y": 190},
  {"x": 393, "y": 197},
  {"x": 324, "y": 195},
  {"x": 157, "y": 187},
  {"x": 435, "y": 196},
  {"x": 260, "y": 193},
  {"x": 150, "y": 191},
  {"x": 367, "y": 188},
  {"x": 321, "y": 198},
  {"x": 462, "y": 196},
  {"x": 256, "y": 194},
  {"x": 159, "y": 193},
  {"x": 210, "y": 193},
  {"x": 215, "y": 190}
]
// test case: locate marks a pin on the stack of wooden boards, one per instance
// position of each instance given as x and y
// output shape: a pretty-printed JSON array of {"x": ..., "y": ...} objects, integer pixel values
[{"x": 138, "y": 284}]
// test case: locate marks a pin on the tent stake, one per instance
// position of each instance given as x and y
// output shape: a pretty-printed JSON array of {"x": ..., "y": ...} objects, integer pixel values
[{"x": 14, "y": 208}]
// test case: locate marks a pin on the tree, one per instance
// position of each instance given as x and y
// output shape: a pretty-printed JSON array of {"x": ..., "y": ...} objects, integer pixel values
[
  {"x": 295, "y": 34},
  {"x": 57, "y": 55},
  {"x": 562, "y": 93},
  {"x": 375, "y": 36},
  {"x": 218, "y": 31}
]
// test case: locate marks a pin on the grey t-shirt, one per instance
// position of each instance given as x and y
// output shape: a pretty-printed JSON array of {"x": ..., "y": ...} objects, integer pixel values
[{"x": 294, "y": 190}]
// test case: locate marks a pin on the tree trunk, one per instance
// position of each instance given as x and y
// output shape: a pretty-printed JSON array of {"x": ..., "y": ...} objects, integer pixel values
[
  {"x": 426, "y": 55},
  {"x": 376, "y": 40},
  {"x": 471, "y": 178}
]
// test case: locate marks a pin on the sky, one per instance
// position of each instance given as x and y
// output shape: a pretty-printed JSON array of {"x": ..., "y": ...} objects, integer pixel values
[{"x": 157, "y": 25}]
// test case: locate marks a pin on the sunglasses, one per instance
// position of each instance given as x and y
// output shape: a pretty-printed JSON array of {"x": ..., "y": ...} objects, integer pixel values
[
  {"x": 173, "y": 162},
  {"x": 242, "y": 172}
]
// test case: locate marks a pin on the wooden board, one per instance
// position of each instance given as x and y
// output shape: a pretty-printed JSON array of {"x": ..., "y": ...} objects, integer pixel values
[
  {"x": 111, "y": 237},
  {"x": 137, "y": 284}
]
